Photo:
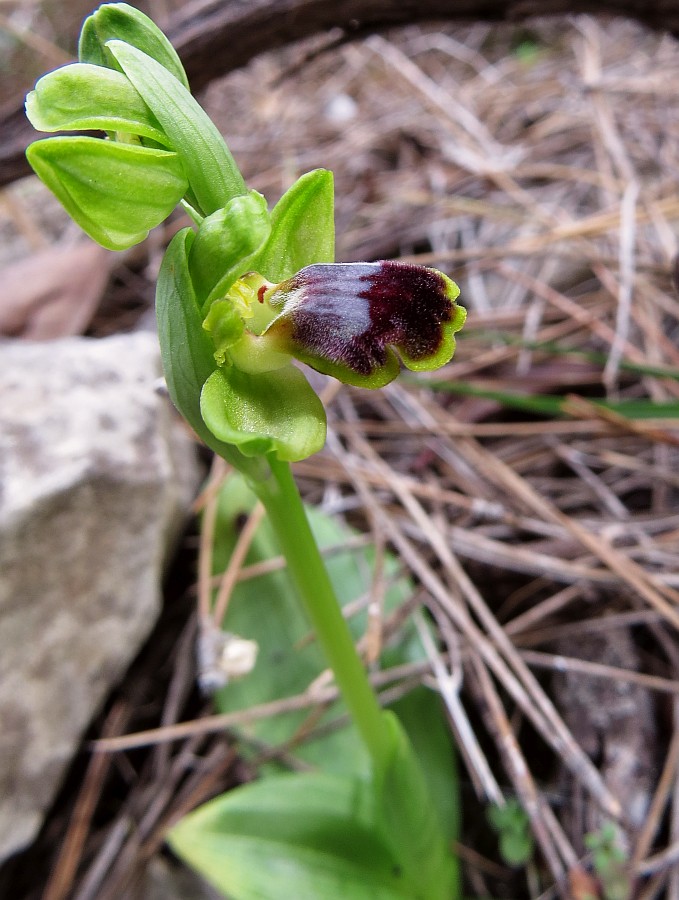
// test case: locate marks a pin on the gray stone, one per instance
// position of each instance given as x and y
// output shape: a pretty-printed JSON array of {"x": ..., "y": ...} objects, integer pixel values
[{"x": 96, "y": 476}]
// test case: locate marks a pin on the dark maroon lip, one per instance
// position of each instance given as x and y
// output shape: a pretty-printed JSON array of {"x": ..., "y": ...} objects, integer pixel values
[{"x": 351, "y": 313}]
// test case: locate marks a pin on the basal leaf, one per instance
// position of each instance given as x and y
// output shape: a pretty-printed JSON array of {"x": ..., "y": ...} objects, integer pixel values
[
  {"x": 409, "y": 826},
  {"x": 304, "y": 837}
]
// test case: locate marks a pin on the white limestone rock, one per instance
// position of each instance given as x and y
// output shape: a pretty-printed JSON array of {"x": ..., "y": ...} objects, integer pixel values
[{"x": 96, "y": 476}]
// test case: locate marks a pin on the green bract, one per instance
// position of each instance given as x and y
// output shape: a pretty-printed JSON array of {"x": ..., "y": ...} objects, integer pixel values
[
  {"x": 213, "y": 175},
  {"x": 125, "y": 23}
]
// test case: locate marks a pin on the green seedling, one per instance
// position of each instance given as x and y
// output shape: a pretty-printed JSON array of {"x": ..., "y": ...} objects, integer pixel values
[
  {"x": 513, "y": 829},
  {"x": 609, "y": 860}
]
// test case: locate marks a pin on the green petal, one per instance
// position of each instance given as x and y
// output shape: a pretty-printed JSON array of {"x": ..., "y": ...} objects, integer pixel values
[
  {"x": 115, "y": 192},
  {"x": 269, "y": 412}
]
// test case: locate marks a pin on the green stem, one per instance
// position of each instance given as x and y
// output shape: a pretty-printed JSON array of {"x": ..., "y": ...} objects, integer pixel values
[{"x": 284, "y": 507}]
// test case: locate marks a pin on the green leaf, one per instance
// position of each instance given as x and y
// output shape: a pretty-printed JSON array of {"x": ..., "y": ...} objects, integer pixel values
[
  {"x": 226, "y": 245},
  {"x": 513, "y": 827},
  {"x": 115, "y": 192},
  {"x": 553, "y": 406},
  {"x": 409, "y": 827},
  {"x": 555, "y": 348},
  {"x": 274, "y": 411},
  {"x": 186, "y": 349},
  {"x": 288, "y": 823},
  {"x": 421, "y": 713},
  {"x": 211, "y": 170},
  {"x": 289, "y": 662},
  {"x": 125, "y": 23},
  {"x": 84, "y": 97},
  {"x": 305, "y": 837},
  {"x": 302, "y": 227}
]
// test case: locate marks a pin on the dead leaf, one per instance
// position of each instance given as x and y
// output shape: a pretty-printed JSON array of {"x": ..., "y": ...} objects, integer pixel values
[{"x": 53, "y": 293}]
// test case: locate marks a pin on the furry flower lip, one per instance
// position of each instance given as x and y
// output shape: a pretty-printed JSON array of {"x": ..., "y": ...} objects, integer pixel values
[{"x": 355, "y": 320}]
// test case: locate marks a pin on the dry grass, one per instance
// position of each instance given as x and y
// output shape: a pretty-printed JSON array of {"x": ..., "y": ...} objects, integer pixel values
[{"x": 540, "y": 169}]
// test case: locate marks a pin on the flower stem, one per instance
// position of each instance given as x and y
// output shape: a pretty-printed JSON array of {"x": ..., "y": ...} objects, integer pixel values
[{"x": 284, "y": 507}]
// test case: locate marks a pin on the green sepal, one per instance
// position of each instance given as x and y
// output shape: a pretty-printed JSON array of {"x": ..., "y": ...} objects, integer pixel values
[
  {"x": 271, "y": 412},
  {"x": 213, "y": 175},
  {"x": 115, "y": 192},
  {"x": 305, "y": 836},
  {"x": 302, "y": 227},
  {"x": 125, "y": 23},
  {"x": 186, "y": 349},
  {"x": 227, "y": 244},
  {"x": 83, "y": 97}
]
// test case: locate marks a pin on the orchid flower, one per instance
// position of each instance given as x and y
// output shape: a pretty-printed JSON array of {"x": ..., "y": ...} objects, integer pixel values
[
  {"x": 259, "y": 288},
  {"x": 245, "y": 293}
]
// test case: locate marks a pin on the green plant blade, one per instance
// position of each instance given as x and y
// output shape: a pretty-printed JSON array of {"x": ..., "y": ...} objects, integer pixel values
[
  {"x": 555, "y": 348},
  {"x": 550, "y": 405},
  {"x": 308, "y": 837},
  {"x": 268, "y": 412},
  {"x": 405, "y": 818},
  {"x": 421, "y": 713},
  {"x": 212, "y": 172},
  {"x": 186, "y": 350},
  {"x": 125, "y": 23},
  {"x": 115, "y": 192},
  {"x": 266, "y": 609},
  {"x": 302, "y": 227},
  {"x": 84, "y": 97},
  {"x": 227, "y": 244}
]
